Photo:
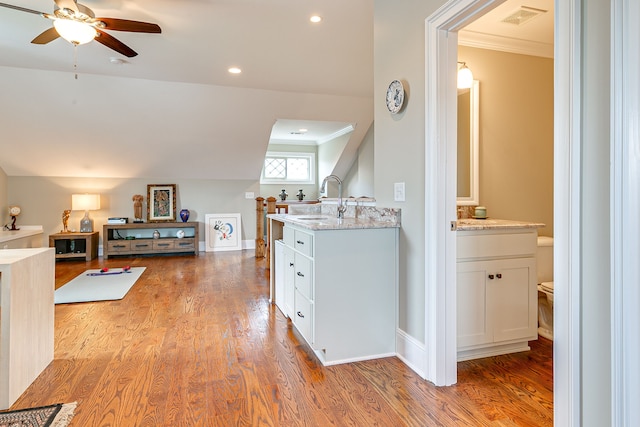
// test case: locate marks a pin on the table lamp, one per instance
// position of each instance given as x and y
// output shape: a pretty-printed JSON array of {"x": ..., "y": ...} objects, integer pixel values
[{"x": 86, "y": 203}]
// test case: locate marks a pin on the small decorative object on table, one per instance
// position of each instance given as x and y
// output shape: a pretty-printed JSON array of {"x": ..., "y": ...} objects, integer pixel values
[
  {"x": 180, "y": 233},
  {"x": 137, "y": 207},
  {"x": 283, "y": 195},
  {"x": 156, "y": 234},
  {"x": 300, "y": 195},
  {"x": 184, "y": 215},
  {"x": 14, "y": 211}
]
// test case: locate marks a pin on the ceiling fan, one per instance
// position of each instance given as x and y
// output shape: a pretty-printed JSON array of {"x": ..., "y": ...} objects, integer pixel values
[{"x": 77, "y": 24}]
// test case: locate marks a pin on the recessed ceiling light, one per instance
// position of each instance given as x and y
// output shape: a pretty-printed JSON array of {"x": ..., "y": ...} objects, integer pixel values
[
  {"x": 315, "y": 19},
  {"x": 235, "y": 70},
  {"x": 303, "y": 130}
]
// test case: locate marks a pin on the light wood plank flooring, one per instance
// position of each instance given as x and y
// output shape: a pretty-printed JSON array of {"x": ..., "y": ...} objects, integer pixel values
[{"x": 196, "y": 343}]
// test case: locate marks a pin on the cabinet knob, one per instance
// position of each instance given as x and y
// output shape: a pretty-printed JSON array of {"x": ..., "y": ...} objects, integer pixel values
[
  {"x": 290, "y": 264},
  {"x": 300, "y": 315},
  {"x": 300, "y": 274},
  {"x": 491, "y": 277},
  {"x": 499, "y": 275}
]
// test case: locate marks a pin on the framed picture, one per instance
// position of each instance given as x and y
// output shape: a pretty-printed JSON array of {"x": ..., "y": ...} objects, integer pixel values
[
  {"x": 223, "y": 232},
  {"x": 161, "y": 202}
]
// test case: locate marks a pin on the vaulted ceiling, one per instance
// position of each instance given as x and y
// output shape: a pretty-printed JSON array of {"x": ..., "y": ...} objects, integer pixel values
[{"x": 174, "y": 110}]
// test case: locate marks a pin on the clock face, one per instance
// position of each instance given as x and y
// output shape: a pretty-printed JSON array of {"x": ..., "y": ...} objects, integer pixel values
[
  {"x": 395, "y": 96},
  {"x": 14, "y": 210}
]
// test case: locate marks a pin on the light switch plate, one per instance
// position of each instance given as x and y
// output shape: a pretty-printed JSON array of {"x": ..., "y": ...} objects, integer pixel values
[
  {"x": 249, "y": 195},
  {"x": 398, "y": 192}
]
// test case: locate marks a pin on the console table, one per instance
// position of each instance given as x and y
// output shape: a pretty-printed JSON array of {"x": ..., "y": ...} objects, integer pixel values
[
  {"x": 75, "y": 245},
  {"x": 137, "y": 238}
]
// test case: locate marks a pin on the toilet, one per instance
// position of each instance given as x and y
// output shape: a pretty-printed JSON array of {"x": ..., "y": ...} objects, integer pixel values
[{"x": 544, "y": 262}]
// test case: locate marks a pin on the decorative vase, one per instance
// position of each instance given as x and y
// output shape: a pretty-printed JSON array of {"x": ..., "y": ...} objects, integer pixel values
[
  {"x": 184, "y": 215},
  {"x": 300, "y": 195},
  {"x": 156, "y": 234},
  {"x": 283, "y": 195}
]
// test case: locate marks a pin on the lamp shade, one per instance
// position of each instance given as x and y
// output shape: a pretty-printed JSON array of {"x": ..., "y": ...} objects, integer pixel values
[
  {"x": 465, "y": 77},
  {"x": 74, "y": 32},
  {"x": 85, "y": 202}
]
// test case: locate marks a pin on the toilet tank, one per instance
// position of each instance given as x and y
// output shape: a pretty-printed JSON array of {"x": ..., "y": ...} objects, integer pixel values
[{"x": 544, "y": 259}]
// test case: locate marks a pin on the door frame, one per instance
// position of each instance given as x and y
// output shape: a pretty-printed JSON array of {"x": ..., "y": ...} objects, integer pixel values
[{"x": 440, "y": 197}]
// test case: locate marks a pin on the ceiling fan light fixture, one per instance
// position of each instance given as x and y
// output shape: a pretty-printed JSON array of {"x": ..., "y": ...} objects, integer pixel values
[{"x": 75, "y": 32}]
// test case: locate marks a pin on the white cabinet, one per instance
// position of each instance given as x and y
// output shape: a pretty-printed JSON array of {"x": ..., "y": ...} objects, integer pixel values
[
  {"x": 340, "y": 290},
  {"x": 496, "y": 292}
]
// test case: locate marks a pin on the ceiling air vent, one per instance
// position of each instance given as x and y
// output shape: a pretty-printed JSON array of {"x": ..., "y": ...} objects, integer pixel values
[{"x": 522, "y": 15}]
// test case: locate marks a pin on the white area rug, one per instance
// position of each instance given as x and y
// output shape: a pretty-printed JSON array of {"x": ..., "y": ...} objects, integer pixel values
[{"x": 94, "y": 286}]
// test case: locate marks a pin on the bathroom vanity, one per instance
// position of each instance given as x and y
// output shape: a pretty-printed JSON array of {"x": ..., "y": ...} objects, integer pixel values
[
  {"x": 337, "y": 282},
  {"x": 497, "y": 298}
]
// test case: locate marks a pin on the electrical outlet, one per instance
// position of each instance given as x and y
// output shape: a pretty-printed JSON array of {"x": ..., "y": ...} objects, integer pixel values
[
  {"x": 398, "y": 191},
  {"x": 249, "y": 195}
]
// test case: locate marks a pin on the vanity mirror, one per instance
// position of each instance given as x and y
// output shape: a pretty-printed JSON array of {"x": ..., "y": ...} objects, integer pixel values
[{"x": 468, "y": 141}]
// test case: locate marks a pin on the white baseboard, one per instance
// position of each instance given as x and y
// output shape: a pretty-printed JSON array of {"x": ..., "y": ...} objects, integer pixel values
[{"x": 411, "y": 351}]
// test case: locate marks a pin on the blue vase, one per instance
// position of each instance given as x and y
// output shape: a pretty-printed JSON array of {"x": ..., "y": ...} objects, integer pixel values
[{"x": 184, "y": 215}]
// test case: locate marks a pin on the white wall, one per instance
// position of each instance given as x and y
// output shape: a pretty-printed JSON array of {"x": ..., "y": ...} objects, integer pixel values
[
  {"x": 4, "y": 203},
  {"x": 595, "y": 233},
  {"x": 399, "y": 142},
  {"x": 359, "y": 180}
]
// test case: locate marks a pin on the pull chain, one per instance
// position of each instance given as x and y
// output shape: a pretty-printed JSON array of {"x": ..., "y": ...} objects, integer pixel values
[{"x": 75, "y": 60}]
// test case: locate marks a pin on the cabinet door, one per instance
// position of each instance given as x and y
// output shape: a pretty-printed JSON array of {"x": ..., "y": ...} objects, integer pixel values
[
  {"x": 513, "y": 297},
  {"x": 289, "y": 281},
  {"x": 474, "y": 325},
  {"x": 279, "y": 275}
]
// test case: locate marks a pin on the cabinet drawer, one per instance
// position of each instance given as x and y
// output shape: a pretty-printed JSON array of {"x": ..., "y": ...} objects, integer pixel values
[
  {"x": 184, "y": 244},
  {"x": 496, "y": 245},
  {"x": 303, "y": 316},
  {"x": 303, "y": 242},
  {"x": 119, "y": 246},
  {"x": 303, "y": 275},
  {"x": 163, "y": 245},
  {"x": 287, "y": 236},
  {"x": 141, "y": 245}
]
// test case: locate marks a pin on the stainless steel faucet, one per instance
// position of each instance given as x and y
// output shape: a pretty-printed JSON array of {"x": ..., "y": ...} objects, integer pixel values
[{"x": 341, "y": 208}]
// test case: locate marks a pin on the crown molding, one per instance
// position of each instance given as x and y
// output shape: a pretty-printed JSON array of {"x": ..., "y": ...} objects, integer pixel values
[{"x": 505, "y": 44}]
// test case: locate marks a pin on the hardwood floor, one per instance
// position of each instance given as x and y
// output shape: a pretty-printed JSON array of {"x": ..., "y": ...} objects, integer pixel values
[{"x": 196, "y": 343}]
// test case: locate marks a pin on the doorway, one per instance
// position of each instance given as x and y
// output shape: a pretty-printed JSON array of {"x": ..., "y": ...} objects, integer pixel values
[{"x": 440, "y": 197}]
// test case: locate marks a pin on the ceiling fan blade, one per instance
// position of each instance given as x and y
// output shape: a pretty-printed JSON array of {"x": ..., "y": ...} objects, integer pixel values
[
  {"x": 22, "y": 9},
  {"x": 115, "y": 44},
  {"x": 127, "y": 25},
  {"x": 67, "y": 4},
  {"x": 46, "y": 36}
]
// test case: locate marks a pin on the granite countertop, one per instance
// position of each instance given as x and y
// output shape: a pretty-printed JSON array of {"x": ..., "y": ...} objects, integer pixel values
[
  {"x": 494, "y": 224},
  {"x": 25, "y": 231},
  {"x": 329, "y": 222}
]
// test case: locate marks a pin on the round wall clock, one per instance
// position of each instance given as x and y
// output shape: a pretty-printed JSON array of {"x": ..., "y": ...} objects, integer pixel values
[{"x": 395, "y": 96}]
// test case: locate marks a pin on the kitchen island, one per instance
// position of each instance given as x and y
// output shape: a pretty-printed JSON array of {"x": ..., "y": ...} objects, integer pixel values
[{"x": 337, "y": 280}]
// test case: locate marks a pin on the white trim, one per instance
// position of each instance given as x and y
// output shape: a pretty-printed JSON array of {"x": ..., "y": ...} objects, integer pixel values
[
  {"x": 440, "y": 184},
  {"x": 505, "y": 44},
  {"x": 625, "y": 204},
  {"x": 411, "y": 351},
  {"x": 567, "y": 365}
]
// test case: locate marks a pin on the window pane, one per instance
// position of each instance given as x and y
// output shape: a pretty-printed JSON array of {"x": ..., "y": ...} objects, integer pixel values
[
  {"x": 297, "y": 169},
  {"x": 275, "y": 168}
]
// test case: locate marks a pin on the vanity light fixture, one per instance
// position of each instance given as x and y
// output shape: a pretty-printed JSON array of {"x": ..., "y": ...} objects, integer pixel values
[{"x": 465, "y": 76}]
